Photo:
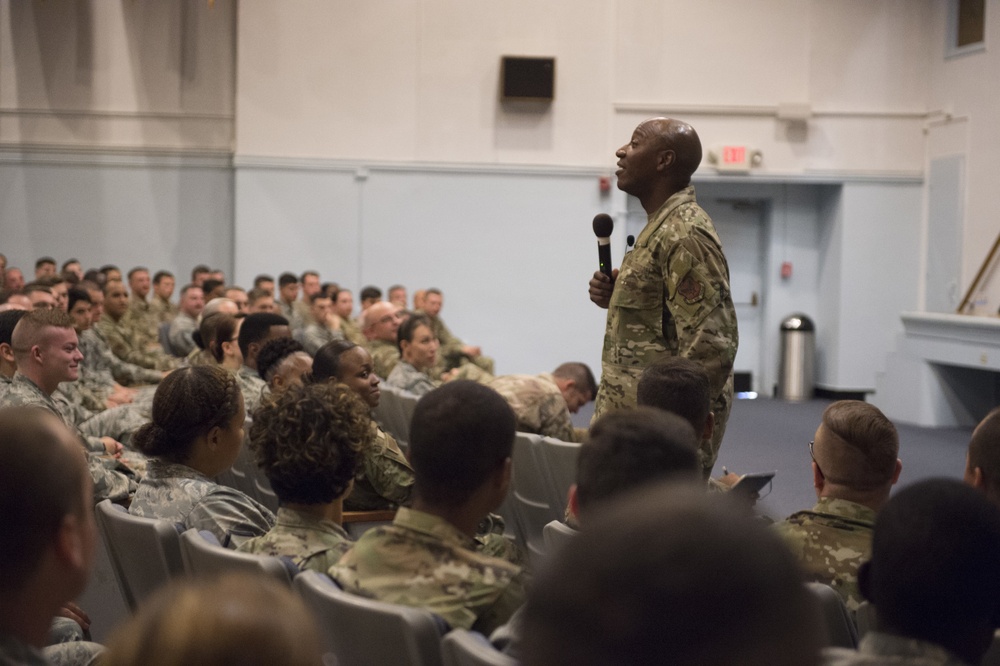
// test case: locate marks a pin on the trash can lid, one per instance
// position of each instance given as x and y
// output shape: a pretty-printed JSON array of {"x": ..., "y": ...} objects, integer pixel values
[{"x": 797, "y": 322}]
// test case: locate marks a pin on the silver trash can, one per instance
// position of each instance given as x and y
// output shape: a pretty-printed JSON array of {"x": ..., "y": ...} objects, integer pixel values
[{"x": 797, "y": 363}]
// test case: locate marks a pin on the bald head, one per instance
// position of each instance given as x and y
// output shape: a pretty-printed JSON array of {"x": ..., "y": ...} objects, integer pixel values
[
  {"x": 658, "y": 161},
  {"x": 982, "y": 467},
  {"x": 381, "y": 321}
]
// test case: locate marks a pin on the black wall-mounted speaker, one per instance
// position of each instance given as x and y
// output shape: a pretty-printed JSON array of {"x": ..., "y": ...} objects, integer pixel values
[{"x": 530, "y": 79}]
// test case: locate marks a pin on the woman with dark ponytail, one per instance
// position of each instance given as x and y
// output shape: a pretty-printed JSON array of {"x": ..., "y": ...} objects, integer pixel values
[{"x": 196, "y": 434}]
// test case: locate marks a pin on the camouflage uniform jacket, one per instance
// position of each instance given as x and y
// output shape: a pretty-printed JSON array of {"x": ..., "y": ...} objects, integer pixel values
[
  {"x": 253, "y": 388},
  {"x": 5, "y": 383},
  {"x": 142, "y": 313},
  {"x": 292, "y": 313},
  {"x": 422, "y": 560},
  {"x": 111, "y": 480},
  {"x": 352, "y": 331},
  {"x": 130, "y": 343},
  {"x": 102, "y": 368},
  {"x": 310, "y": 542},
  {"x": 539, "y": 405},
  {"x": 162, "y": 311},
  {"x": 314, "y": 336},
  {"x": 180, "y": 494},
  {"x": 404, "y": 376},
  {"x": 880, "y": 649},
  {"x": 672, "y": 298},
  {"x": 831, "y": 541},
  {"x": 385, "y": 356},
  {"x": 384, "y": 478},
  {"x": 181, "y": 334},
  {"x": 22, "y": 392}
]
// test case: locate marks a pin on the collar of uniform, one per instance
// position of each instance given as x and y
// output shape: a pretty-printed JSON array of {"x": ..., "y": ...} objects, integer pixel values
[
  {"x": 845, "y": 509},
  {"x": 656, "y": 219},
  {"x": 433, "y": 526},
  {"x": 890, "y": 645},
  {"x": 247, "y": 371},
  {"x": 22, "y": 380},
  {"x": 160, "y": 469},
  {"x": 296, "y": 519}
]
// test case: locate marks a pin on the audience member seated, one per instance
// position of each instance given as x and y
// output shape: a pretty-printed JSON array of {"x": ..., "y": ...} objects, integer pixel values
[
  {"x": 13, "y": 280},
  {"x": 932, "y": 578},
  {"x": 195, "y": 435},
  {"x": 202, "y": 354},
  {"x": 235, "y": 619},
  {"x": 50, "y": 535},
  {"x": 259, "y": 300},
  {"x": 418, "y": 353},
  {"x": 58, "y": 286},
  {"x": 125, "y": 336},
  {"x": 854, "y": 467},
  {"x": 213, "y": 287},
  {"x": 264, "y": 283},
  {"x": 238, "y": 295},
  {"x": 461, "y": 440},
  {"x": 308, "y": 440},
  {"x": 256, "y": 330},
  {"x": 322, "y": 327},
  {"x": 283, "y": 362},
  {"x": 8, "y": 366},
  {"x": 982, "y": 461},
  {"x": 288, "y": 292},
  {"x": 543, "y": 403},
  {"x": 41, "y": 296},
  {"x": 184, "y": 325},
  {"x": 453, "y": 351},
  {"x": 397, "y": 295},
  {"x": 220, "y": 333},
  {"x": 138, "y": 283},
  {"x": 370, "y": 295},
  {"x": 161, "y": 310},
  {"x": 343, "y": 307},
  {"x": 385, "y": 478},
  {"x": 380, "y": 324},
  {"x": 45, "y": 267}
]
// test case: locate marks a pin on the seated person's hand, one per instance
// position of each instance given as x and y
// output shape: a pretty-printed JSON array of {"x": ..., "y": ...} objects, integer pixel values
[
  {"x": 112, "y": 447},
  {"x": 75, "y": 613}
]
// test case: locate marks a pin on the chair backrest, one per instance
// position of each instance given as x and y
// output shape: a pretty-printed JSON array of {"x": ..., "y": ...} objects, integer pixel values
[
  {"x": 560, "y": 461},
  {"x": 163, "y": 333},
  {"x": 468, "y": 648},
  {"x": 840, "y": 628},
  {"x": 364, "y": 632},
  {"x": 205, "y": 558},
  {"x": 145, "y": 553},
  {"x": 395, "y": 408},
  {"x": 556, "y": 535},
  {"x": 244, "y": 470},
  {"x": 531, "y": 493}
]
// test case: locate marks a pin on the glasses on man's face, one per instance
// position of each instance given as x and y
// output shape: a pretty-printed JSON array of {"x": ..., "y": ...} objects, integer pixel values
[{"x": 813, "y": 456}]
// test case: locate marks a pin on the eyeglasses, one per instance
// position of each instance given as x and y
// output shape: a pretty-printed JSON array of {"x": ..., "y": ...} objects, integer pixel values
[{"x": 813, "y": 456}]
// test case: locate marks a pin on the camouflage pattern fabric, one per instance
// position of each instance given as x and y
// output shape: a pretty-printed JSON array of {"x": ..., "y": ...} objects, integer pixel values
[
  {"x": 181, "y": 335},
  {"x": 292, "y": 313},
  {"x": 880, "y": 649},
  {"x": 314, "y": 336},
  {"x": 162, "y": 311},
  {"x": 64, "y": 630},
  {"x": 385, "y": 356},
  {"x": 404, "y": 376},
  {"x": 539, "y": 405},
  {"x": 200, "y": 357},
  {"x": 384, "y": 478},
  {"x": 672, "y": 298},
  {"x": 101, "y": 368},
  {"x": 90, "y": 397},
  {"x": 352, "y": 332},
  {"x": 310, "y": 542},
  {"x": 13, "y": 652},
  {"x": 143, "y": 314},
  {"x": 422, "y": 560},
  {"x": 180, "y": 494},
  {"x": 253, "y": 388},
  {"x": 830, "y": 542},
  {"x": 129, "y": 342},
  {"x": 112, "y": 480},
  {"x": 491, "y": 541}
]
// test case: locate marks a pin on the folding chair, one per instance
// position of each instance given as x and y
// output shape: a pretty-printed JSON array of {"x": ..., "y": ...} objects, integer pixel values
[{"x": 204, "y": 557}]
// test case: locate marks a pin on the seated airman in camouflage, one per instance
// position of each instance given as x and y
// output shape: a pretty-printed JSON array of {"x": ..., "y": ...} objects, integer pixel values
[
  {"x": 854, "y": 466},
  {"x": 322, "y": 326},
  {"x": 380, "y": 323},
  {"x": 182, "y": 328},
  {"x": 126, "y": 336},
  {"x": 543, "y": 403},
  {"x": 418, "y": 347},
  {"x": 139, "y": 286},
  {"x": 454, "y": 352},
  {"x": 204, "y": 353},
  {"x": 343, "y": 307},
  {"x": 257, "y": 329},
  {"x": 461, "y": 440},
  {"x": 160, "y": 308},
  {"x": 259, "y": 300},
  {"x": 282, "y": 363},
  {"x": 46, "y": 500},
  {"x": 307, "y": 440}
]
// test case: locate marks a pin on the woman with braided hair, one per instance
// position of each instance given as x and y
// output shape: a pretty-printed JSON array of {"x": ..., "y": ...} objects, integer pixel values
[{"x": 196, "y": 434}]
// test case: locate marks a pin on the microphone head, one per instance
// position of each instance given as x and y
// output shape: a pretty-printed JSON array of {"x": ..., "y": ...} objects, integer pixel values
[
  {"x": 630, "y": 241},
  {"x": 603, "y": 225}
]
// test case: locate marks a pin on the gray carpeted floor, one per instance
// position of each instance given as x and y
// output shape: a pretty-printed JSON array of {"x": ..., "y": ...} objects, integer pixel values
[{"x": 767, "y": 435}]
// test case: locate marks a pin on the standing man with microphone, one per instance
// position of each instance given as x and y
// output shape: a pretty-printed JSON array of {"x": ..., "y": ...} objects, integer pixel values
[{"x": 671, "y": 296}]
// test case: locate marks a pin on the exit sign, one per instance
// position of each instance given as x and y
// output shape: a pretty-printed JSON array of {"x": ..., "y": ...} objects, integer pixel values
[{"x": 735, "y": 158}]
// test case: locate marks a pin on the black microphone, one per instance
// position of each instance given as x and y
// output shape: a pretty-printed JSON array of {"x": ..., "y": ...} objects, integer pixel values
[
  {"x": 603, "y": 226},
  {"x": 629, "y": 242}
]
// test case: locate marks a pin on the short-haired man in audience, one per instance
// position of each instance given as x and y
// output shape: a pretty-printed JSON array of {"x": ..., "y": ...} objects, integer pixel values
[
  {"x": 370, "y": 295},
  {"x": 13, "y": 280},
  {"x": 72, "y": 267},
  {"x": 8, "y": 366},
  {"x": 45, "y": 267},
  {"x": 186, "y": 322},
  {"x": 139, "y": 284},
  {"x": 982, "y": 461},
  {"x": 265, "y": 282},
  {"x": 111, "y": 273},
  {"x": 323, "y": 326},
  {"x": 288, "y": 292},
  {"x": 160, "y": 307},
  {"x": 671, "y": 575},
  {"x": 238, "y": 295},
  {"x": 46, "y": 353},
  {"x": 543, "y": 403},
  {"x": 212, "y": 288},
  {"x": 854, "y": 467},
  {"x": 57, "y": 286},
  {"x": 461, "y": 439},
  {"x": 127, "y": 338},
  {"x": 397, "y": 295},
  {"x": 380, "y": 324},
  {"x": 310, "y": 284},
  {"x": 260, "y": 300},
  {"x": 932, "y": 578},
  {"x": 418, "y": 299},
  {"x": 256, "y": 330},
  {"x": 200, "y": 273},
  {"x": 343, "y": 307},
  {"x": 46, "y": 497},
  {"x": 453, "y": 352},
  {"x": 41, "y": 297}
]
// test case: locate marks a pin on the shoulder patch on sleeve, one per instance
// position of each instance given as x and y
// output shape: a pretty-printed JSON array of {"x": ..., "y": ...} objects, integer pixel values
[{"x": 691, "y": 289}]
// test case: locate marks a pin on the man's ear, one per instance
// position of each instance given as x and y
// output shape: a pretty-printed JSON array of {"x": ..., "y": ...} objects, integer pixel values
[
  {"x": 69, "y": 542},
  {"x": 899, "y": 469},
  {"x": 818, "y": 480},
  {"x": 6, "y": 352},
  {"x": 666, "y": 160}
]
